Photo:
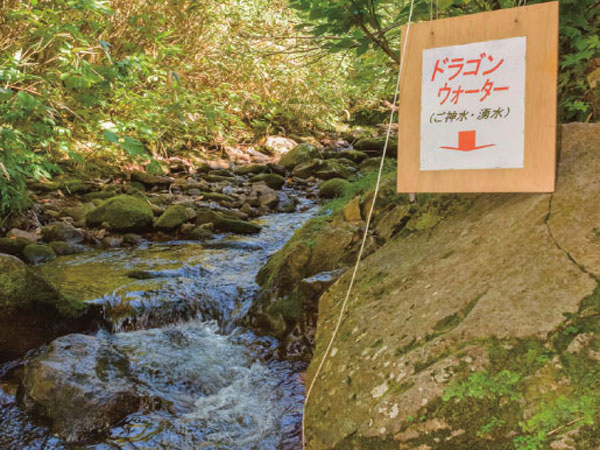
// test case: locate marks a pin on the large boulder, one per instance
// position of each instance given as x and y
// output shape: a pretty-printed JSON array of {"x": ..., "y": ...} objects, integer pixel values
[
  {"x": 81, "y": 385},
  {"x": 473, "y": 329},
  {"x": 122, "y": 213},
  {"x": 32, "y": 311},
  {"x": 298, "y": 155}
]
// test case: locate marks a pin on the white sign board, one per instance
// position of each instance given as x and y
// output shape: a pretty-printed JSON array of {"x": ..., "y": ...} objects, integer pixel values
[{"x": 473, "y": 106}]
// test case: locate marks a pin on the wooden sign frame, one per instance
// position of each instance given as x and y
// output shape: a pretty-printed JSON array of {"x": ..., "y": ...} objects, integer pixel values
[{"x": 539, "y": 23}]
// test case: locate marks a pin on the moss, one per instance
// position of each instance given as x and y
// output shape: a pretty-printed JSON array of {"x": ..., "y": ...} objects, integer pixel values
[
  {"x": 334, "y": 188},
  {"x": 272, "y": 180},
  {"x": 251, "y": 169},
  {"x": 298, "y": 155},
  {"x": 38, "y": 253},
  {"x": 217, "y": 197},
  {"x": 102, "y": 195},
  {"x": 289, "y": 308},
  {"x": 173, "y": 217},
  {"x": 122, "y": 213},
  {"x": 367, "y": 443}
]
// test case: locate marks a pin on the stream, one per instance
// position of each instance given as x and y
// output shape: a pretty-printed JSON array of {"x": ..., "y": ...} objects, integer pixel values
[{"x": 174, "y": 309}]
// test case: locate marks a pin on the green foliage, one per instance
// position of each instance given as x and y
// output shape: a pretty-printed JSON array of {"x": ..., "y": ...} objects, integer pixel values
[
  {"x": 131, "y": 81},
  {"x": 371, "y": 27}
]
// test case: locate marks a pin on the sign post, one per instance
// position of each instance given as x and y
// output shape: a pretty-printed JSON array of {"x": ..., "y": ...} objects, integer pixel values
[{"x": 485, "y": 89}]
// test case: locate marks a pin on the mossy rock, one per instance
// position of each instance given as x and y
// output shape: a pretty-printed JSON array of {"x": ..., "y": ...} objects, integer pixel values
[
  {"x": 13, "y": 247},
  {"x": 251, "y": 169},
  {"x": 122, "y": 213},
  {"x": 308, "y": 168},
  {"x": 226, "y": 224},
  {"x": 218, "y": 179},
  {"x": 79, "y": 212},
  {"x": 300, "y": 154},
  {"x": 335, "y": 168},
  {"x": 151, "y": 180},
  {"x": 38, "y": 253},
  {"x": 75, "y": 186},
  {"x": 173, "y": 217},
  {"x": 218, "y": 197},
  {"x": 336, "y": 187},
  {"x": 201, "y": 234},
  {"x": 21, "y": 286},
  {"x": 272, "y": 180},
  {"x": 66, "y": 248},
  {"x": 102, "y": 195},
  {"x": 61, "y": 231},
  {"x": 375, "y": 145}
]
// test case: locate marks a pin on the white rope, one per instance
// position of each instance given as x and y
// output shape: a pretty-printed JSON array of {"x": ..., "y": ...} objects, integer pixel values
[{"x": 364, "y": 239}]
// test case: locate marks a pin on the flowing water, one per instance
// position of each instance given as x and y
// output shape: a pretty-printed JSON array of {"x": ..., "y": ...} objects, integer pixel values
[{"x": 213, "y": 384}]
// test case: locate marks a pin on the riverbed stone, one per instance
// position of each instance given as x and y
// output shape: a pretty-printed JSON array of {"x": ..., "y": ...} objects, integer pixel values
[
  {"x": 81, "y": 384},
  {"x": 173, "y": 217},
  {"x": 13, "y": 246},
  {"x": 61, "y": 231},
  {"x": 16, "y": 233},
  {"x": 151, "y": 180},
  {"x": 227, "y": 224},
  {"x": 272, "y": 180},
  {"x": 253, "y": 169},
  {"x": 122, "y": 213},
  {"x": 66, "y": 248},
  {"x": 38, "y": 253},
  {"x": 335, "y": 187},
  {"x": 32, "y": 311},
  {"x": 300, "y": 154}
]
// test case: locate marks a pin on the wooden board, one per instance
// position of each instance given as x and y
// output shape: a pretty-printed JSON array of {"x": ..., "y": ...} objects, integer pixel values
[{"x": 539, "y": 23}]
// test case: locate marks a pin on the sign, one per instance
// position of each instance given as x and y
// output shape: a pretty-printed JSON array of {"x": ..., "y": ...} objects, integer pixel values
[
  {"x": 473, "y": 106},
  {"x": 485, "y": 89}
]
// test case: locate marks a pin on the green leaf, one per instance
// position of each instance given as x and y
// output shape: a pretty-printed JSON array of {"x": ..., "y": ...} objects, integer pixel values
[{"x": 110, "y": 136}]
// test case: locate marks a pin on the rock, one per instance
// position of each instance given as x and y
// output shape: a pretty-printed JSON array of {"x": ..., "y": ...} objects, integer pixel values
[
  {"x": 132, "y": 239},
  {"x": 300, "y": 154},
  {"x": 263, "y": 196},
  {"x": 61, "y": 231},
  {"x": 190, "y": 185},
  {"x": 279, "y": 144},
  {"x": 218, "y": 197},
  {"x": 370, "y": 164},
  {"x": 33, "y": 312},
  {"x": 314, "y": 286},
  {"x": 76, "y": 186},
  {"x": 335, "y": 168},
  {"x": 223, "y": 223},
  {"x": 45, "y": 186},
  {"x": 499, "y": 286},
  {"x": 335, "y": 187},
  {"x": 218, "y": 179},
  {"x": 254, "y": 169},
  {"x": 79, "y": 212},
  {"x": 122, "y": 213},
  {"x": 151, "y": 180},
  {"x": 13, "y": 247},
  {"x": 201, "y": 234},
  {"x": 81, "y": 385},
  {"x": 272, "y": 180},
  {"x": 286, "y": 203},
  {"x": 173, "y": 217},
  {"x": 102, "y": 195},
  {"x": 375, "y": 145},
  {"x": 353, "y": 155},
  {"x": 352, "y": 210},
  {"x": 112, "y": 241},
  {"x": 38, "y": 253},
  {"x": 15, "y": 233},
  {"x": 66, "y": 248},
  {"x": 306, "y": 169},
  {"x": 277, "y": 168}
]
